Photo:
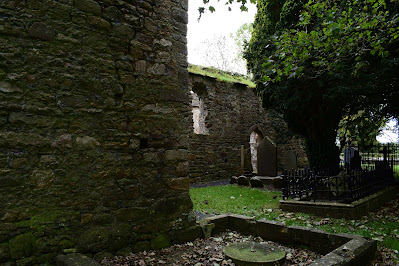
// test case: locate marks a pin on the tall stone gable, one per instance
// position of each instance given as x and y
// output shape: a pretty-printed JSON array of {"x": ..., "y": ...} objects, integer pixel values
[{"x": 94, "y": 119}]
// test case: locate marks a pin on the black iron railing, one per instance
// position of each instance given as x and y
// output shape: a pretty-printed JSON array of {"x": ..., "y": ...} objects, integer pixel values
[{"x": 372, "y": 172}]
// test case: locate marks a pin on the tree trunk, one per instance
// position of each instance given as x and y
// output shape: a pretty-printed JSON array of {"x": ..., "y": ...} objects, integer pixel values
[{"x": 321, "y": 147}]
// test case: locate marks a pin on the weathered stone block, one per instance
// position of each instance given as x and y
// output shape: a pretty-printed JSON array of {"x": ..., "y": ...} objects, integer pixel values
[
  {"x": 99, "y": 23},
  {"x": 182, "y": 184},
  {"x": 242, "y": 224},
  {"x": 41, "y": 31},
  {"x": 86, "y": 142},
  {"x": 94, "y": 239},
  {"x": 8, "y": 87},
  {"x": 182, "y": 169},
  {"x": 189, "y": 234},
  {"x": 4, "y": 252},
  {"x": 160, "y": 241},
  {"x": 221, "y": 222},
  {"x": 22, "y": 246},
  {"x": 89, "y": 6},
  {"x": 63, "y": 141},
  {"x": 176, "y": 155},
  {"x": 42, "y": 178},
  {"x": 271, "y": 230},
  {"x": 86, "y": 218},
  {"x": 243, "y": 180},
  {"x": 131, "y": 214},
  {"x": 113, "y": 13}
]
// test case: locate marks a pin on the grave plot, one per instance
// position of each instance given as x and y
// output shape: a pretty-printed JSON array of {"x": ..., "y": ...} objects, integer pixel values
[
  {"x": 208, "y": 251},
  {"x": 302, "y": 245}
]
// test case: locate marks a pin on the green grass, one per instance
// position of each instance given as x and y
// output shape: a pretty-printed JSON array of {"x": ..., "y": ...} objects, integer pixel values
[
  {"x": 221, "y": 75},
  {"x": 260, "y": 204},
  {"x": 233, "y": 199}
]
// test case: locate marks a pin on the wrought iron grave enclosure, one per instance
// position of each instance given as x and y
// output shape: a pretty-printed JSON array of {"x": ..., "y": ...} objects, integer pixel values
[{"x": 358, "y": 178}]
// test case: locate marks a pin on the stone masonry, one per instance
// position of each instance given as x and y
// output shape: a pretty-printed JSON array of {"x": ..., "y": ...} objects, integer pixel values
[
  {"x": 94, "y": 119},
  {"x": 233, "y": 111}
]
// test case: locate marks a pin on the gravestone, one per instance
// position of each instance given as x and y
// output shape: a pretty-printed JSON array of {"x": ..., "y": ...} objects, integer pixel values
[
  {"x": 352, "y": 158},
  {"x": 267, "y": 158},
  {"x": 290, "y": 161},
  {"x": 247, "y": 163}
]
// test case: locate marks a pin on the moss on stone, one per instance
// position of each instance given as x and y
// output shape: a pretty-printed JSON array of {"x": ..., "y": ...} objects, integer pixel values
[
  {"x": 4, "y": 252},
  {"x": 160, "y": 241},
  {"x": 95, "y": 239},
  {"x": 22, "y": 246},
  {"x": 141, "y": 246}
]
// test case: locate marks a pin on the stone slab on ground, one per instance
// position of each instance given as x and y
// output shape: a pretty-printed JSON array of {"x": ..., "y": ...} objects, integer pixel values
[
  {"x": 274, "y": 181},
  {"x": 252, "y": 253}
]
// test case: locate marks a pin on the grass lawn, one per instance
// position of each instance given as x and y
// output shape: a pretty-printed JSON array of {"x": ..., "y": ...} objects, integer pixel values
[{"x": 382, "y": 225}]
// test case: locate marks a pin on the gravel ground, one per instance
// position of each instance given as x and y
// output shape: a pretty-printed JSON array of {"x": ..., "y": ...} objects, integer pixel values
[{"x": 222, "y": 182}]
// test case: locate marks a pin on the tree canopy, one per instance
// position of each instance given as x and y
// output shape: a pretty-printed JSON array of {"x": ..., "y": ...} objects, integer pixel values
[{"x": 319, "y": 61}]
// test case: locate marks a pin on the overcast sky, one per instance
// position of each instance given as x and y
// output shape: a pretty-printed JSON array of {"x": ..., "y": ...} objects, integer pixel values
[{"x": 221, "y": 22}]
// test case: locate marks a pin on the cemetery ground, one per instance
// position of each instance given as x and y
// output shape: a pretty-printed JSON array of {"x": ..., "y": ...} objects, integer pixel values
[{"x": 381, "y": 225}]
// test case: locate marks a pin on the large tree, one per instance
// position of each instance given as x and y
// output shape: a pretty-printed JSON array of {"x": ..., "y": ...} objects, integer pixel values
[{"x": 318, "y": 61}]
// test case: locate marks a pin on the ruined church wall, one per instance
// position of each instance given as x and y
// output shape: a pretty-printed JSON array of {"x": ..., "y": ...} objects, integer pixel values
[
  {"x": 94, "y": 118},
  {"x": 233, "y": 111}
]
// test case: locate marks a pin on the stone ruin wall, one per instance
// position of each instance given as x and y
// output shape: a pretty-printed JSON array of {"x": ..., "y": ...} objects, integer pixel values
[
  {"x": 232, "y": 112},
  {"x": 94, "y": 118}
]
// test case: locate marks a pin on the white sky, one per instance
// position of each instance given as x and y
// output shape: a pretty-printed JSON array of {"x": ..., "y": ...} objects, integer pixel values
[
  {"x": 389, "y": 134},
  {"x": 221, "y": 22}
]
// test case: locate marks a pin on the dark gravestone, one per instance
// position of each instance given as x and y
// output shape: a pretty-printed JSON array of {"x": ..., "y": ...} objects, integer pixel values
[
  {"x": 267, "y": 158},
  {"x": 247, "y": 162},
  {"x": 352, "y": 158},
  {"x": 348, "y": 154},
  {"x": 290, "y": 161}
]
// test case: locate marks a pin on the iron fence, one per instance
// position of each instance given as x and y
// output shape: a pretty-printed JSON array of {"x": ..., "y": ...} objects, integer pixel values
[{"x": 366, "y": 172}]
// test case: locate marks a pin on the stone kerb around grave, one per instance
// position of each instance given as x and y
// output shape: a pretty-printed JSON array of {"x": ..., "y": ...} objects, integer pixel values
[{"x": 338, "y": 249}]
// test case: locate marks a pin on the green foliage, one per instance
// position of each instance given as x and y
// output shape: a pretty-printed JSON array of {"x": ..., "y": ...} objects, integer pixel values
[
  {"x": 362, "y": 128},
  {"x": 328, "y": 34},
  {"x": 212, "y": 9},
  {"x": 241, "y": 37},
  {"x": 320, "y": 61}
]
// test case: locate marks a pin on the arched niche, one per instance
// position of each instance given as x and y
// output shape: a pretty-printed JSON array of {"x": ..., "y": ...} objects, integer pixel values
[
  {"x": 256, "y": 136},
  {"x": 198, "y": 93}
]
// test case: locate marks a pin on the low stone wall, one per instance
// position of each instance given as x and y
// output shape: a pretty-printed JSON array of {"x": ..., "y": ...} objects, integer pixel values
[
  {"x": 231, "y": 112},
  {"x": 94, "y": 119},
  {"x": 339, "y": 249},
  {"x": 350, "y": 211}
]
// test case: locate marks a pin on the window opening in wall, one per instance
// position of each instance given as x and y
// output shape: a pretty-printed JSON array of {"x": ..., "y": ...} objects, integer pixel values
[
  {"x": 198, "y": 109},
  {"x": 254, "y": 139}
]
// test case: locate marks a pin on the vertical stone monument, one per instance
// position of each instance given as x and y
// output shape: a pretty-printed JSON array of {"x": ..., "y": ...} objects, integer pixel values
[
  {"x": 290, "y": 161},
  {"x": 267, "y": 158}
]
